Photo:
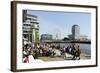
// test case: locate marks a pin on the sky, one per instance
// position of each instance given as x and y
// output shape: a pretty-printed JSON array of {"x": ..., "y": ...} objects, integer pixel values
[{"x": 60, "y": 23}]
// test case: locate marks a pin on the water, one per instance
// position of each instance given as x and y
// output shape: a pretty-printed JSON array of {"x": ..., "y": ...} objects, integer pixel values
[{"x": 85, "y": 48}]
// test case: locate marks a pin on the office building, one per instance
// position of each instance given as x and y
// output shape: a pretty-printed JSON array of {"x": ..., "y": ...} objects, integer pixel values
[
  {"x": 76, "y": 34},
  {"x": 75, "y": 31},
  {"x": 46, "y": 37},
  {"x": 30, "y": 27}
]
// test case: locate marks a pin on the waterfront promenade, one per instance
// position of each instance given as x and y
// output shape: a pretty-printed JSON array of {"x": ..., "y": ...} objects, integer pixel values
[
  {"x": 68, "y": 57},
  {"x": 56, "y": 51}
]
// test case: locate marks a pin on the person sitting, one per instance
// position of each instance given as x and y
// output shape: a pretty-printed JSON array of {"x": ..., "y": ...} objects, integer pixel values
[{"x": 77, "y": 53}]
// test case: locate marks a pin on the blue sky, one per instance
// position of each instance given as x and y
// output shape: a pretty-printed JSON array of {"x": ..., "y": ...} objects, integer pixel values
[{"x": 60, "y": 23}]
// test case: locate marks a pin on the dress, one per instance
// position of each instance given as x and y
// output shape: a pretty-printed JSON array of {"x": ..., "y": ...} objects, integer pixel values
[{"x": 31, "y": 59}]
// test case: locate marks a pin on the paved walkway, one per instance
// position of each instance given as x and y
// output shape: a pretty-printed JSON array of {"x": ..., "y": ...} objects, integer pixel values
[
  {"x": 68, "y": 57},
  {"x": 51, "y": 58}
]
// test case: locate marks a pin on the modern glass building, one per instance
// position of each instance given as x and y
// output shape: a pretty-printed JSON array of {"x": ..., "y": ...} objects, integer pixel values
[
  {"x": 76, "y": 34},
  {"x": 30, "y": 27},
  {"x": 75, "y": 31}
]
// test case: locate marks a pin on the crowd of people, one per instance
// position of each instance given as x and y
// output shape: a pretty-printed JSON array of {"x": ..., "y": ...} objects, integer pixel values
[{"x": 34, "y": 50}]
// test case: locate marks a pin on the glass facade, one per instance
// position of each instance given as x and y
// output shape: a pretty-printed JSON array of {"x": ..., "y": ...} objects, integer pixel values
[{"x": 75, "y": 31}]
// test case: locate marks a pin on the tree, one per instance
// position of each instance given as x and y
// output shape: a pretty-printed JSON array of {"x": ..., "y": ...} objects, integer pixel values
[{"x": 65, "y": 38}]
